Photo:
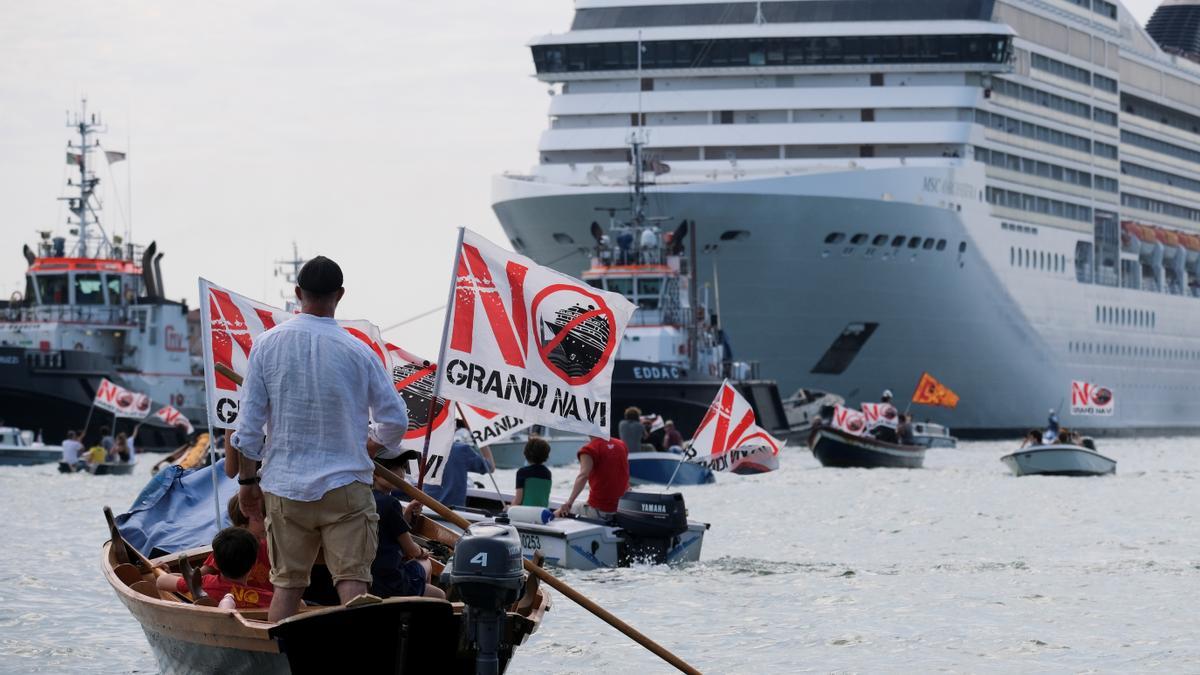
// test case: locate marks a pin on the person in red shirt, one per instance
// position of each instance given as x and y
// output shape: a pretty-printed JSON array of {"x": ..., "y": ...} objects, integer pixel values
[
  {"x": 260, "y": 574},
  {"x": 236, "y": 550},
  {"x": 604, "y": 469}
]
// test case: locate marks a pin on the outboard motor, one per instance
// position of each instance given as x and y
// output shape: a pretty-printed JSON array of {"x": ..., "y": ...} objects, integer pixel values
[
  {"x": 651, "y": 524},
  {"x": 487, "y": 571}
]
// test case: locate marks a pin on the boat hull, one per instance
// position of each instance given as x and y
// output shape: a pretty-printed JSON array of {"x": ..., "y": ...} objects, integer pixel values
[
  {"x": 28, "y": 456},
  {"x": 582, "y": 544},
  {"x": 840, "y": 450},
  {"x": 1059, "y": 460},
  {"x": 661, "y": 468},
  {"x": 112, "y": 469}
]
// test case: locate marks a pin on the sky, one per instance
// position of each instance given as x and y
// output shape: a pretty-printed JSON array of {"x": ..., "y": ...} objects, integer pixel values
[{"x": 363, "y": 131}]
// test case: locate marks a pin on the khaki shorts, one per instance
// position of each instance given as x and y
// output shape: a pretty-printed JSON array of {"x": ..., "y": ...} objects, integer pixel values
[{"x": 343, "y": 522}]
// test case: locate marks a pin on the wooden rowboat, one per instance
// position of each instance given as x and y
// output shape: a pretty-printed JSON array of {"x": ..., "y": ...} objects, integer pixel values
[
  {"x": 396, "y": 635},
  {"x": 836, "y": 448}
]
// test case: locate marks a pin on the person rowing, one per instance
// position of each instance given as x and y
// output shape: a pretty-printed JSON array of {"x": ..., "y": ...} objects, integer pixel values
[{"x": 311, "y": 385}]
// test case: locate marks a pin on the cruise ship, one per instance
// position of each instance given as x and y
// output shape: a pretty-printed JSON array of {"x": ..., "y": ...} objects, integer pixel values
[{"x": 1003, "y": 193}]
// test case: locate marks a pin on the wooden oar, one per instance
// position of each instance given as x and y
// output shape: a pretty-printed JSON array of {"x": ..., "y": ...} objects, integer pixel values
[{"x": 547, "y": 578}]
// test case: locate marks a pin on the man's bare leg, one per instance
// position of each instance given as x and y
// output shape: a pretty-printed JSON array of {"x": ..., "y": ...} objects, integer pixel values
[
  {"x": 284, "y": 603},
  {"x": 348, "y": 589}
]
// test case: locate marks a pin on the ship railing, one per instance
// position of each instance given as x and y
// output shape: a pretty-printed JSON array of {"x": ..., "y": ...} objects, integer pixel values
[
  {"x": 44, "y": 359},
  {"x": 69, "y": 313}
]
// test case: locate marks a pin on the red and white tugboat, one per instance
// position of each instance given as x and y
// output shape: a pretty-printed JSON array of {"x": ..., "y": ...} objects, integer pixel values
[{"x": 93, "y": 308}]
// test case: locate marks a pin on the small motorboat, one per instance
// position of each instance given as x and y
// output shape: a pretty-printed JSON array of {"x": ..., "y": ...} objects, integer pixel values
[
  {"x": 663, "y": 468},
  {"x": 17, "y": 448},
  {"x": 648, "y": 527},
  {"x": 510, "y": 453},
  {"x": 1060, "y": 459},
  {"x": 835, "y": 448},
  {"x": 933, "y": 435},
  {"x": 803, "y": 409},
  {"x": 496, "y": 604}
]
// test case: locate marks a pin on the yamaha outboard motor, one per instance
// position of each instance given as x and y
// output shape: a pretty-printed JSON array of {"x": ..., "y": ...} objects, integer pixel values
[
  {"x": 651, "y": 524},
  {"x": 487, "y": 571}
]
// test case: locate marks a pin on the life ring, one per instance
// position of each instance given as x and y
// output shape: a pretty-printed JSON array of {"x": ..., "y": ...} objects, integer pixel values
[
  {"x": 177, "y": 399},
  {"x": 78, "y": 346},
  {"x": 15, "y": 298}
]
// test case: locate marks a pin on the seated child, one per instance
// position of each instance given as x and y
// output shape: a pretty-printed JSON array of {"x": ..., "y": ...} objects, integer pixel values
[
  {"x": 96, "y": 455},
  {"x": 401, "y": 567},
  {"x": 533, "y": 480},
  {"x": 260, "y": 574},
  {"x": 235, "y": 550}
]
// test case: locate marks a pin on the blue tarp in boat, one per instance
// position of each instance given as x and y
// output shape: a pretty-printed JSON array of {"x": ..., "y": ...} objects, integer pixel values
[{"x": 175, "y": 511}]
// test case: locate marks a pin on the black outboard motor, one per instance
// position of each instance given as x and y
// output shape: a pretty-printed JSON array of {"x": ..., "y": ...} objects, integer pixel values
[
  {"x": 651, "y": 524},
  {"x": 487, "y": 571}
]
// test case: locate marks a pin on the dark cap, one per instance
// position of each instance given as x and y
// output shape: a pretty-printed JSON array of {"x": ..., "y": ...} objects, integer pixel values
[{"x": 320, "y": 276}]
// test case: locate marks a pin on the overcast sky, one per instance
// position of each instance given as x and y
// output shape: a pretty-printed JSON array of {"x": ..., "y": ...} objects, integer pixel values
[{"x": 364, "y": 131}]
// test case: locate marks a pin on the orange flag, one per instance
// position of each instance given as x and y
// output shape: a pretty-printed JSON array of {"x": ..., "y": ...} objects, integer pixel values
[{"x": 931, "y": 392}]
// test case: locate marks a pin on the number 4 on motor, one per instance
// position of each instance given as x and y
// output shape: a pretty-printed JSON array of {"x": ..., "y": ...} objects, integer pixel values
[{"x": 480, "y": 559}]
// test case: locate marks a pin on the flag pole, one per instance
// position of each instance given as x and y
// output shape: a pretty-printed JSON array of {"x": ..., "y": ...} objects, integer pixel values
[
  {"x": 87, "y": 423},
  {"x": 682, "y": 456},
  {"x": 210, "y": 384},
  {"x": 491, "y": 474},
  {"x": 437, "y": 383}
]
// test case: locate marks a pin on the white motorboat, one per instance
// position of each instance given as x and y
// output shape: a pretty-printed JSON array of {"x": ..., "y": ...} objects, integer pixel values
[
  {"x": 510, "y": 453},
  {"x": 18, "y": 448},
  {"x": 933, "y": 435},
  {"x": 803, "y": 409},
  {"x": 649, "y": 527},
  {"x": 1059, "y": 459}
]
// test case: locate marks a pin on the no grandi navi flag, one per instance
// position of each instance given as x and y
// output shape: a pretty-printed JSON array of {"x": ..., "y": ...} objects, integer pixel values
[{"x": 530, "y": 342}]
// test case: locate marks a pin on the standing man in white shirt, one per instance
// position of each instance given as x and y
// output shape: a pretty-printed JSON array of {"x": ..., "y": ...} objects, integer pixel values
[{"x": 313, "y": 387}]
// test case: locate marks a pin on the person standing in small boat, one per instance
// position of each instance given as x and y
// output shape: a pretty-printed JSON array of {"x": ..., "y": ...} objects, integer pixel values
[
  {"x": 461, "y": 459},
  {"x": 604, "y": 470},
  {"x": 1050, "y": 435},
  {"x": 904, "y": 431},
  {"x": 71, "y": 449},
  {"x": 313, "y": 387},
  {"x": 631, "y": 430},
  {"x": 885, "y": 426}
]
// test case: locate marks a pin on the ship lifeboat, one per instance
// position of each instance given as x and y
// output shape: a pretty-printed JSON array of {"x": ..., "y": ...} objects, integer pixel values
[
  {"x": 1191, "y": 243},
  {"x": 1170, "y": 242},
  {"x": 1131, "y": 237}
]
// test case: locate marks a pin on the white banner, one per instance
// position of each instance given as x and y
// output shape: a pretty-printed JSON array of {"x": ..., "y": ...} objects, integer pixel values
[
  {"x": 120, "y": 401},
  {"x": 1091, "y": 399},
  {"x": 527, "y": 341},
  {"x": 488, "y": 427},
  {"x": 880, "y": 415},
  {"x": 172, "y": 417},
  {"x": 229, "y": 324},
  {"x": 849, "y": 420},
  {"x": 729, "y": 433},
  {"x": 414, "y": 378}
]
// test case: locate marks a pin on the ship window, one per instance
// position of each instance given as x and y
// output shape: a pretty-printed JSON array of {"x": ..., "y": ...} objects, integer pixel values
[
  {"x": 735, "y": 235},
  {"x": 858, "y": 238},
  {"x": 648, "y": 291},
  {"x": 596, "y": 283},
  {"x": 113, "y": 284},
  {"x": 52, "y": 289},
  {"x": 898, "y": 241},
  {"x": 879, "y": 240},
  {"x": 624, "y": 286},
  {"x": 834, "y": 237},
  {"x": 962, "y": 247},
  {"x": 914, "y": 242},
  {"x": 563, "y": 238},
  {"x": 941, "y": 245},
  {"x": 88, "y": 290},
  {"x": 928, "y": 244}
]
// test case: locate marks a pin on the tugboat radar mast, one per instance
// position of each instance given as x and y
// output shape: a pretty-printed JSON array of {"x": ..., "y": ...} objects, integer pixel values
[{"x": 86, "y": 206}]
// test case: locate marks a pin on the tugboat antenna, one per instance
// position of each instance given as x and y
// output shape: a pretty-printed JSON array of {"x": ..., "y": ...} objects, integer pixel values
[{"x": 83, "y": 207}]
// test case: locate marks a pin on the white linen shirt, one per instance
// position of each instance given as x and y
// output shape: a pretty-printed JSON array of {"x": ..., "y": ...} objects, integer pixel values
[{"x": 313, "y": 386}]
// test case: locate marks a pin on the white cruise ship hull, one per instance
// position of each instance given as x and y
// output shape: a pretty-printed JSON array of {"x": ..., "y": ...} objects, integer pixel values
[{"x": 1009, "y": 339}]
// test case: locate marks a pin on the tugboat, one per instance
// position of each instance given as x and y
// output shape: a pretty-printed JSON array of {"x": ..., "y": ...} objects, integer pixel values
[
  {"x": 93, "y": 310},
  {"x": 672, "y": 357}
]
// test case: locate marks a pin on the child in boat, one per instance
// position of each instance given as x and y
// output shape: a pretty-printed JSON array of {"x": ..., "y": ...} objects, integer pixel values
[
  {"x": 401, "y": 567},
  {"x": 96, "y": 455},
  {"x": 260, "y": 574},
  {"x": 533, "y": 479},
  {"x": 235, "y": 550}
]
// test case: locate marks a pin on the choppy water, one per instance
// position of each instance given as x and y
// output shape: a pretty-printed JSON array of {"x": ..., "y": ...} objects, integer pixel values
[{"x": 957, "y": 567}]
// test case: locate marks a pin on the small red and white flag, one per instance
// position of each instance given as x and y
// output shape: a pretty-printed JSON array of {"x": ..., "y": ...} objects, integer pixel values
[
  {"x": 729, "y": 434},
  {"x": 172, "y": 417},
  {"x": 120, "y": 401},
  {"x": 1091, "y": 399},
  {"x": 849, "y": 420}
]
